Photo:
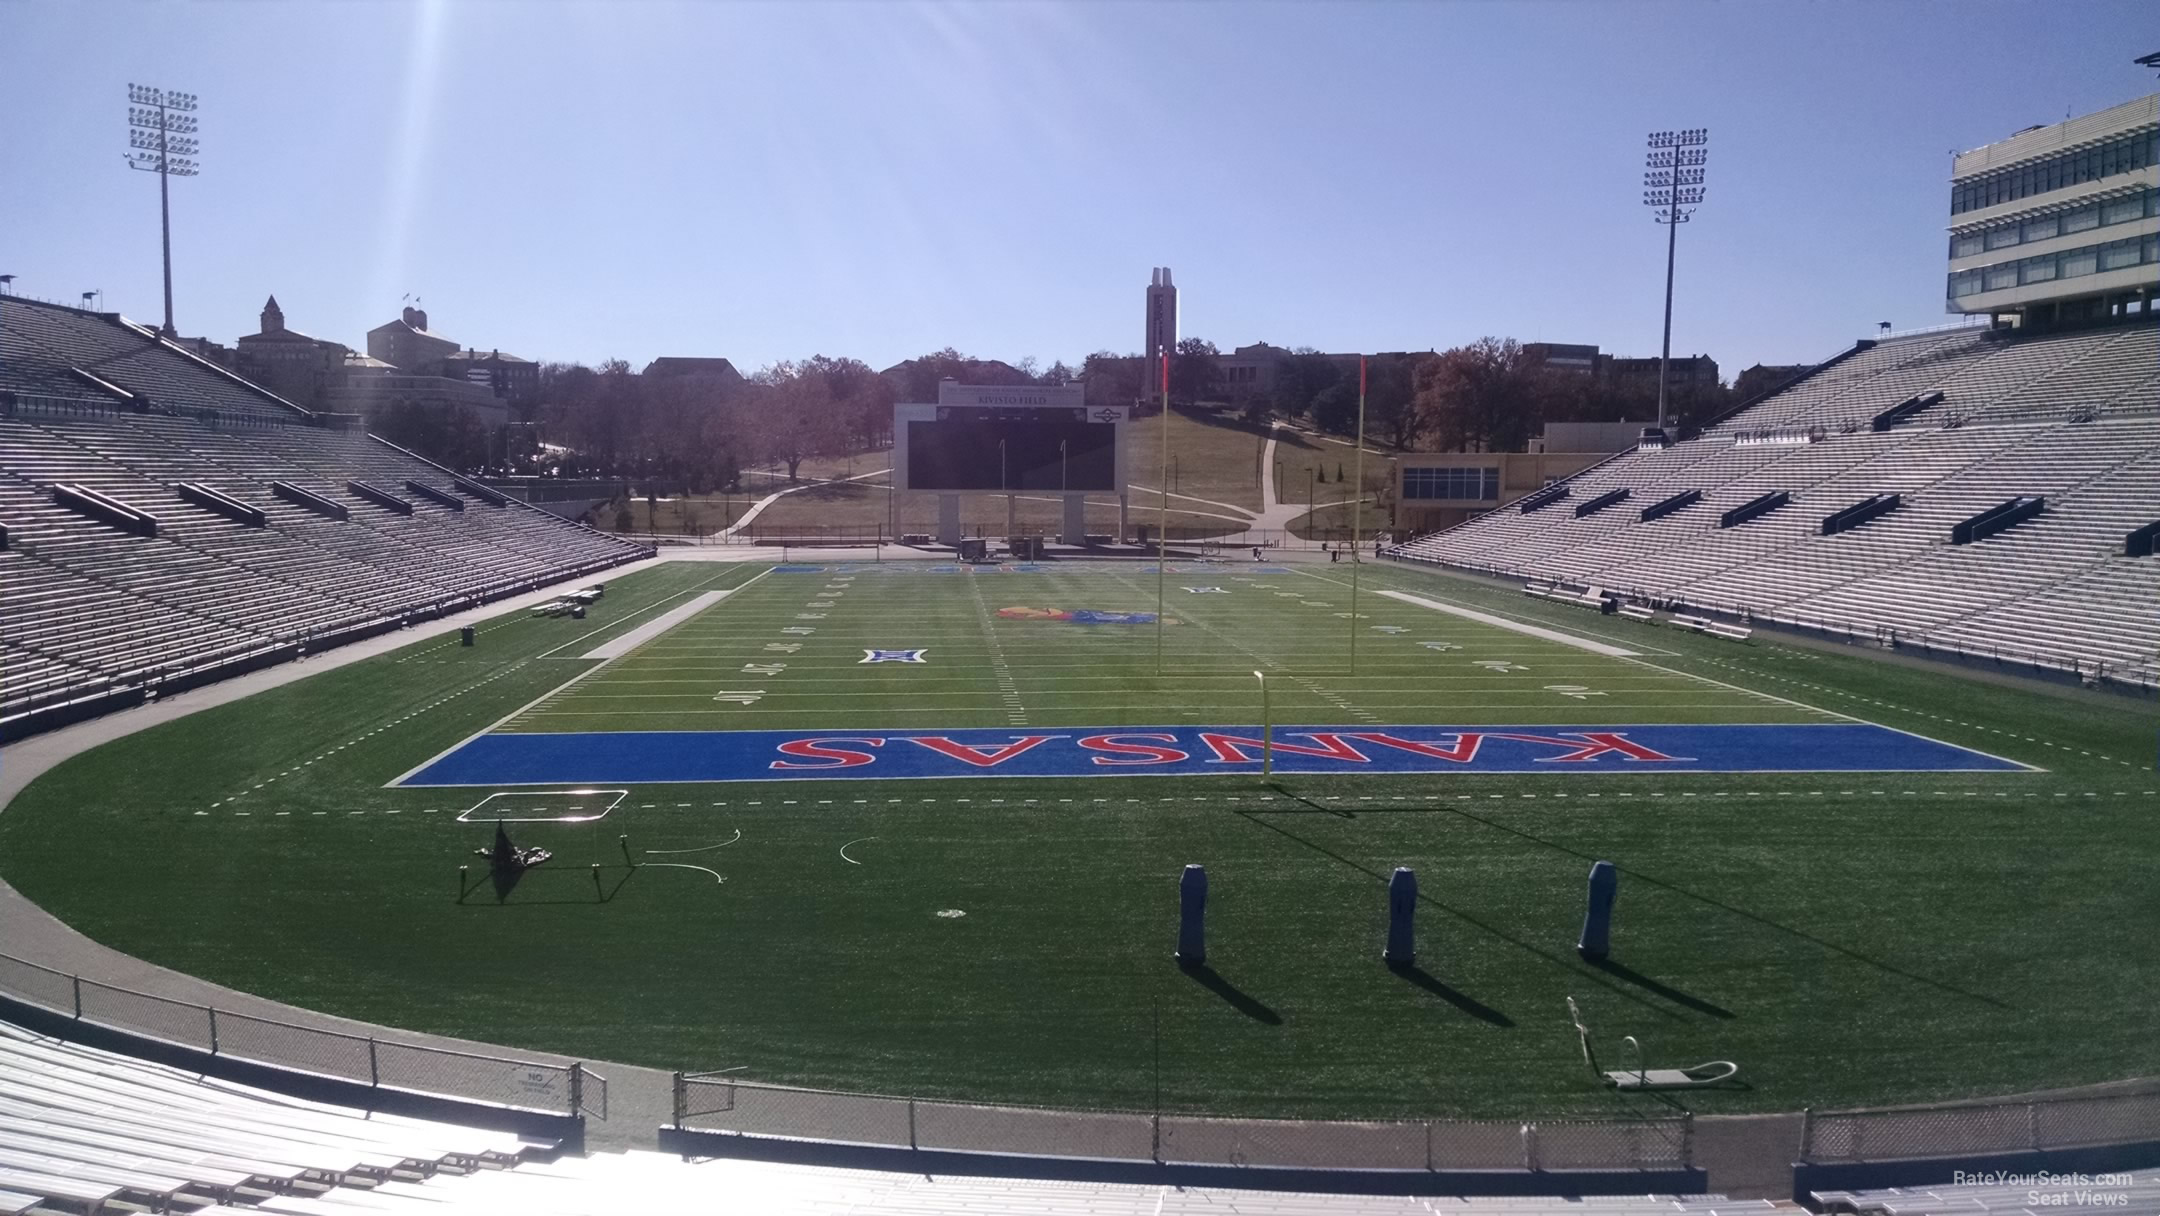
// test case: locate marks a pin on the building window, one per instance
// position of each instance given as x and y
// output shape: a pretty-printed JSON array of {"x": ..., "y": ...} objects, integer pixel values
[
  {"x": 2123, "y": 154},
  {"x": 2122, "y": 211},
  {"x": 2079, "y": 262},
  {"x": 2080, "y": 220},
  {"x": 2043, "y": 228},
  {"x": 1467, "y": 485},
  {"x": 2037, "y": 270},
  {"x": 2117, "y": 254},
  {"x": 2004, "y": 275}
]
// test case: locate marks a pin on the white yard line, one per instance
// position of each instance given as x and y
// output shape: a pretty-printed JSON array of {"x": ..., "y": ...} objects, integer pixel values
[
  {"x": 1501, "y": 622},
  {"x": 629, "y": 640},
  {"x": 544, "y": 698}
]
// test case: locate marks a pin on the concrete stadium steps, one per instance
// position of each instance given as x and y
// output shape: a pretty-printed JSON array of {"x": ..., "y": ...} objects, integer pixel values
[
  {"x": 609, "y": 1183},
  {"x": 94, "y": 610},
  {"x": 249, "y": 555},
  {"x": 2090, "y": 380},
  {"x": 2138, "y": 1193},
  {"x": 131, "y": 359},
  {"x": 92, "y": 606},
  {"x": 2043, "y": 463},
  {"x": 81, "y": 1128},
  {"x": 1698, "y": 548},
  {"x": 2093, "y": 500},
  {"x": 2008, "y": 370},
  {"x": 144, "y": 453},
  {"x": 2054, "y": 590},
  {"x": 1858, "y": 387}
]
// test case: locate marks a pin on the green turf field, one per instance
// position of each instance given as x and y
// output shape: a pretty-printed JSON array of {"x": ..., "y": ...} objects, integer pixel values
[
  {"x": 1846, "y": 938},
  {"x": 995, "y": 658}
]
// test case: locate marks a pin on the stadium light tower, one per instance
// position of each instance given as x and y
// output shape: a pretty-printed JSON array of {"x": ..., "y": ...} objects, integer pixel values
[
  {"x": 1673, "y": 187},
  {"x": 161, "y": 130}
]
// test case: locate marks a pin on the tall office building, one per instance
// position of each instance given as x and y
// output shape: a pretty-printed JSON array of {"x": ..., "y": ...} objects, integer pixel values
[
  {"x": 2060, "y": 223},
  {"x": 1161, "y": 329}
]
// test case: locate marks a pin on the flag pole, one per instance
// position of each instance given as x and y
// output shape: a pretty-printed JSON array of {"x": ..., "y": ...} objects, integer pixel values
[
  {"x": 1162, "y": 513},
  {"x": 1357, "y": 509}
]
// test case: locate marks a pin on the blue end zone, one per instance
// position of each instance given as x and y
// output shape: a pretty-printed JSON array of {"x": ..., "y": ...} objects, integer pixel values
[{"x": 646, "y": 757}]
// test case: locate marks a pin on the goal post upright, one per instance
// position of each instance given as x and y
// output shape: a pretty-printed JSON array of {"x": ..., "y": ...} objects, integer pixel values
[
  {"x": 1357, "y": 509},
  {"x": 1162, "y": 515}
]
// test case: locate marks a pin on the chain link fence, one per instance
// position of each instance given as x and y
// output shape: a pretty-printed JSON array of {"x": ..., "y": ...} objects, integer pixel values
[
  {"x": 713, "y": 1102},
  {"x": 519, "y": 1084},
  {"x": 1967, "y": 1129}
]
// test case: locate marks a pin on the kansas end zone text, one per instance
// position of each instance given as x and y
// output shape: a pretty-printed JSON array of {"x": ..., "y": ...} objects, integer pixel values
[{"x": 621, "y": 757}]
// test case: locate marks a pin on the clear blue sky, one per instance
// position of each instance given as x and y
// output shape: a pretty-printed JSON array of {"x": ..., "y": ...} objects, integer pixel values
[{"x": 585, "y": 181}]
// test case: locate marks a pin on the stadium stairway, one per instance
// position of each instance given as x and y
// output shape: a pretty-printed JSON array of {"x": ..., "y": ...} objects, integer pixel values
[
  {"x": 98, "y": 614},
  {"x": 87, "y": 1130},
  {"x": 2136, "y": 1193},
  {"x": 83, "y": 1130},
  {"x": 2073, "y": 418}
]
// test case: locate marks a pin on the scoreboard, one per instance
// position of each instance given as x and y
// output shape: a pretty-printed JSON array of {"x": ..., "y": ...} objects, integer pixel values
[{"x": 978, "y": 439}]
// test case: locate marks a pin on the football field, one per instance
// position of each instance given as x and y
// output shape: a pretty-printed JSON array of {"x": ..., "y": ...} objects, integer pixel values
[
  {"x": 1079, "y": 668},
  {"x": 917, "y": 828}
]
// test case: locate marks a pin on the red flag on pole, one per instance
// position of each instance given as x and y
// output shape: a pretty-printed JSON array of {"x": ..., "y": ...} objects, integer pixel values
[
  {"x": 1166, "y": 373},
  {"x": 1361, "y": 375}
]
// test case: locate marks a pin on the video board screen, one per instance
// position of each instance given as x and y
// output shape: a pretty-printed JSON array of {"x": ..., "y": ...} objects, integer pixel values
[{"x": 993, "y": 449}]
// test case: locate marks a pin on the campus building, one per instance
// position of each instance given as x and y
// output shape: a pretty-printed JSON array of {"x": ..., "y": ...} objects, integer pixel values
[
  {"x": 2060, "y": 223},
  {"x": 1435, "y": 490},
  {"x": 294, "y": 365}
]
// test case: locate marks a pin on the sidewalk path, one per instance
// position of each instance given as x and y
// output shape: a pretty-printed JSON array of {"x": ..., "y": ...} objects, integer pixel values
[{"x": 728, "y": 533}]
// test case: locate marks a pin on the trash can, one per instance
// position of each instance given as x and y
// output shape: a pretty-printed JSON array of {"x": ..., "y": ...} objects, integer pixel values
[{"x": 465, "y": 636}]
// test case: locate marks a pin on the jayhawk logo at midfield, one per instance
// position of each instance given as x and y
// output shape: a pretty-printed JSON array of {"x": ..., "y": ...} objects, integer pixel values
[{"x": 895, "y": 656}]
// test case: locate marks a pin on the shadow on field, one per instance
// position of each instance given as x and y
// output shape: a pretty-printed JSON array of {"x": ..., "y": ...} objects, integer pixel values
[
  {"x": 1461, "y": 1000},
  {"x": 1622, "y": 971},
  {"x": 1239, "y": 1000},
  {"x": 1743, "y": 913},
  {"x": 1302, "y": 800},
  {"x": 1565, "y": 964},
  {"x": 543, "y": 886}
]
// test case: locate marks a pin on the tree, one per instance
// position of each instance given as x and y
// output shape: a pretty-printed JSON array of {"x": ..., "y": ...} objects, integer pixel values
[
  {"x": 1112, "y": 379},
  {"x": 917, "y": 379},
  {"x": 1059, "y": 374},
  {"x": 444, "y": 433},
  {"x": 1334, "y": 408},
  {"x": 1194, "y": 370},
  {"x": 859, "y": 402},
  {"x": 802, "y": 417},
  {"x": 1391, "y": 414},
  {"x": 1301, "y": 376},
  {"x": 1481, "y": 397}
]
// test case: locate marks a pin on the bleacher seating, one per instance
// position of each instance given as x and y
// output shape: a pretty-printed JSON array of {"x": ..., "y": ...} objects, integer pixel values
[
  {"x": 95, "y": 611},
  {"x": 2135, "y": 1191},
  {"x": 83, "y": 1129},
  {"x": 2073, "y": 418}
]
